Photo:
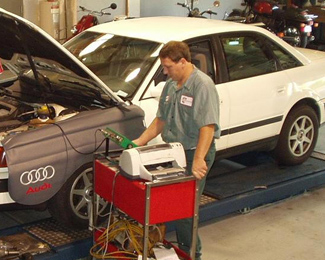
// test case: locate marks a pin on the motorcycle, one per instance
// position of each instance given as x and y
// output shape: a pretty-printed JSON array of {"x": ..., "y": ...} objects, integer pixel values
[
  {"x": 89, "y": 20},
  {"x": 195, "y": 12},
  {"x": 292, "y": 24},
  {"x": 242, "y": 16},
  {"x": 299, "y": 26}
]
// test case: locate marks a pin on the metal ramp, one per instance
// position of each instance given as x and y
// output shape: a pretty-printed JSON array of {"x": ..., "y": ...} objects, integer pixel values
[
  {"x": 242, "y": 188},
  {"x": 233, "y": 186}
]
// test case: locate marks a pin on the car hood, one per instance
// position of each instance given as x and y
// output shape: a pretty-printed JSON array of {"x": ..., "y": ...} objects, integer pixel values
[{"x": 29, "y": 46}]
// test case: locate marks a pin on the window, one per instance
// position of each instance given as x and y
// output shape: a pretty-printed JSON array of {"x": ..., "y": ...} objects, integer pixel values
[
  {"x": 202, "y": 57},
  {"x": 246, "y": 56},
  {"x": 286, "y": 60},
  {"x": 120, "y": 62}
]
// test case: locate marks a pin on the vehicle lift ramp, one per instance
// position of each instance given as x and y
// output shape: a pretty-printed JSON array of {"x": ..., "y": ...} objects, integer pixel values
[{"x": 231, "y": 187}]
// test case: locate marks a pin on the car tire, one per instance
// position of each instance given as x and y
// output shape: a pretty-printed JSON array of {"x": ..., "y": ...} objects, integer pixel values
[
  {"x": 298, "y": 136},
  {"x": 71, "y": 204}
]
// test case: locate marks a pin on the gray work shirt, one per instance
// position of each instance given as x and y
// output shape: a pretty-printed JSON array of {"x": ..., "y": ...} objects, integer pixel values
[{"x": 187, "y": 109}]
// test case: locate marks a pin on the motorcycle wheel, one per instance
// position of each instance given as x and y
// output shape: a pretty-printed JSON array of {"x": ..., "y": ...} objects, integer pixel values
[
  {"x": 293, "y": 32},
  {"x": 303, "y": 40}
]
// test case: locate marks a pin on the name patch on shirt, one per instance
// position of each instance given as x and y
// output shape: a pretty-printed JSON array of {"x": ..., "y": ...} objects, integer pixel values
[{"x": 186, "y": 101}]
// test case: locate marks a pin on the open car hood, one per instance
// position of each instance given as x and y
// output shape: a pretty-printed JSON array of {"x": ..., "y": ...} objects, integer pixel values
[
  {"x": 52, "y": 108},
  {"x": 24, "y": 45}
]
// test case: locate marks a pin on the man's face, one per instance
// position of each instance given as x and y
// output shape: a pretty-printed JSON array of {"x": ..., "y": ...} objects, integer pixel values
[{"x": 174, "y": 70}]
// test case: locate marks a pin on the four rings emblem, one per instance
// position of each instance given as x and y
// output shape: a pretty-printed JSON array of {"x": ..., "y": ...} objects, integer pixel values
[{"x": 37, "y": 175}]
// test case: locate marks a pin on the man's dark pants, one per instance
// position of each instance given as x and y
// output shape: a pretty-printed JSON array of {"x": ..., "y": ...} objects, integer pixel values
[{"x": 184, "y": 226}]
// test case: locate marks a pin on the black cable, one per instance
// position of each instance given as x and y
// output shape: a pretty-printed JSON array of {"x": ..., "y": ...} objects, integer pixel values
[{"x": 96, "y": 148}]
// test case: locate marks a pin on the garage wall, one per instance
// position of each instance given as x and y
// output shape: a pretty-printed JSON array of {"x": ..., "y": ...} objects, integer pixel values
[
  {"x": 147, "y": 8},
  {"x": 14, "y": 6},
  {"x": 170, "y": 7},
  {"x": 133, "y": 8}
]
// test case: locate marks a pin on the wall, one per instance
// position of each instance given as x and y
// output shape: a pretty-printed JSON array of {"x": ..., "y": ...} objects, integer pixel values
[
  {"x": 97, "y": 5},
  {"x": 170, "y": 7},
  {"x": 14, "y": 6},
  {"x": 146, "y": 8}
]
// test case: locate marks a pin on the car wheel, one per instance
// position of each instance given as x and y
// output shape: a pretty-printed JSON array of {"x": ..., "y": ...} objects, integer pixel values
[
  {"x": 71, "y": 204},
  {"x": 298, "y": 136}
]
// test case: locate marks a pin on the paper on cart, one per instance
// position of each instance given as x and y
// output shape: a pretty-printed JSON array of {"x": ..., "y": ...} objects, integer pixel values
[{"x": 165, "y": 253}]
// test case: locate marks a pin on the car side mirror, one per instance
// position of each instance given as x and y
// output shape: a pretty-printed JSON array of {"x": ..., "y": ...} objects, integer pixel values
[{"x": 156, "y": 90}]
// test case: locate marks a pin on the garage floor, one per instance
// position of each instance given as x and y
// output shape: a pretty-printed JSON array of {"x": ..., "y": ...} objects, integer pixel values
[{"x": 289, "y": 229}]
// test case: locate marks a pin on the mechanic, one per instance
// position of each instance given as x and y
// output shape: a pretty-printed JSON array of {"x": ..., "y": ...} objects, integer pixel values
[{"x": 188, "y": 113}]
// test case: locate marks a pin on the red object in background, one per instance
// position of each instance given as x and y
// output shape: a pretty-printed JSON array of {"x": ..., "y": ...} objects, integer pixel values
[
  {"x": 263, "y": 7},
  {"x": 86, "y": 22},
  {"x": 167, "y": 202},
  {"x": 1, "y": 68}
]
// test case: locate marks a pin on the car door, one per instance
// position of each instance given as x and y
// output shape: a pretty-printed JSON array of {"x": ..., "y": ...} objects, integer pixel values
[
  {"x": 258, "y": 88},
  {"x": 204, "y": 58}
]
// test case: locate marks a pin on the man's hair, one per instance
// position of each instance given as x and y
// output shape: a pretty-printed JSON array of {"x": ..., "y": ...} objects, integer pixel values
[{"x": 175, "y": 50}]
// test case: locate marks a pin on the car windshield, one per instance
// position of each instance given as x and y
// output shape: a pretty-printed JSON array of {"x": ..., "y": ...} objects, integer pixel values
[{"x": 120, "y": 62}]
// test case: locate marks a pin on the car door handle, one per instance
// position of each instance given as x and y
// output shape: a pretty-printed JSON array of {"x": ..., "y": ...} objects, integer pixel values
[{"x": 281, "y": 89}]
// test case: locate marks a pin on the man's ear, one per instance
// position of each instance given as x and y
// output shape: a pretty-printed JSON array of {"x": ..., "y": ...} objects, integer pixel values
[{"x": 183, "y": 61}]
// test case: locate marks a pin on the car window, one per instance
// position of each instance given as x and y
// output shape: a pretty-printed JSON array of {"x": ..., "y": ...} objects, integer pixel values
[
  {"x": 120, "y": 62},
  {"x": 246, "y": 56},
  {"x": 286, "y": 60},
  {"x": 202, "y": 57}
]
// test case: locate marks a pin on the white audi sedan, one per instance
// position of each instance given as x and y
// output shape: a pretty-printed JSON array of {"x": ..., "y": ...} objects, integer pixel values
[{"x": 53, "y": 98}]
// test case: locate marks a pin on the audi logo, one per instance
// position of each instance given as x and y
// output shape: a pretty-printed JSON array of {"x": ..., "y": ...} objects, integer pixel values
[{"x": 37, "y": 175}]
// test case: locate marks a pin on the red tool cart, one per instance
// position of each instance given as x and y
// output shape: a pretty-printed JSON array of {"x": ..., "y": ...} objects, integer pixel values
[{"x": 147, "y": 202}]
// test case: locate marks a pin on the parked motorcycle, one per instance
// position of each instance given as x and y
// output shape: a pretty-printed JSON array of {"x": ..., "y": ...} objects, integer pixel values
[
  {"x": 242, "y": 16},
  {"x": 299, "y": 27},
  {"x": 195, "y": 12},
  {"x": 293, "y": 24},
  {"x": 90, "y": 19}
]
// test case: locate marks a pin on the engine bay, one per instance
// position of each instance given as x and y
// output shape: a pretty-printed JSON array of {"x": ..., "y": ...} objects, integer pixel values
[{"x": 28, "y": 102}]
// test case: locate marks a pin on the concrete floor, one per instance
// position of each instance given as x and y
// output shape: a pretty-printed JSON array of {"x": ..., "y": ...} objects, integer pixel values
[{"x": 291, "y": 229}]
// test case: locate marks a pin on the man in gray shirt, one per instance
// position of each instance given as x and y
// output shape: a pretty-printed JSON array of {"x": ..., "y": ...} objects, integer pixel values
[{"x": 188, "y": 113}]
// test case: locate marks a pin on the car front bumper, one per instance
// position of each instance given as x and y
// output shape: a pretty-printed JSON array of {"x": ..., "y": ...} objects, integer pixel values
[{"x": 4, "y": 194}]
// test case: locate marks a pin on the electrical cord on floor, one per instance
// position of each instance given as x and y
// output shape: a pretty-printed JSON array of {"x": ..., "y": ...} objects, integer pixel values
[
  {"x": 126, "y": 236},
  {"x": 99, "y": 249},
  {"x": 129, "y": 231}
]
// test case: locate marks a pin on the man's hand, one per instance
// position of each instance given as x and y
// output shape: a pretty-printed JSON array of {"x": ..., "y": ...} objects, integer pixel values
[
  {"x": 199, "y": 168},
  {"x": 151, "y": 132},
  {"x": 137, "y": 142}
]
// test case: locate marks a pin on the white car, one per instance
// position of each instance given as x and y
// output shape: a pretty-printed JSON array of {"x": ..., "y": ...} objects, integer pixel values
[{"x": 272, "y": 97}]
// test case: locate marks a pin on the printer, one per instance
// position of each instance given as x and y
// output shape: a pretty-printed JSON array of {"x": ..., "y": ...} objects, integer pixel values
[{"x": 153, "y": 162}]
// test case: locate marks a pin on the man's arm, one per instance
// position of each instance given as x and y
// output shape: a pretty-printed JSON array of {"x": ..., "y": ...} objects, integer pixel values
[
  {"x": 199, "y": 167},
  {"x": 154, "y": 129}
]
